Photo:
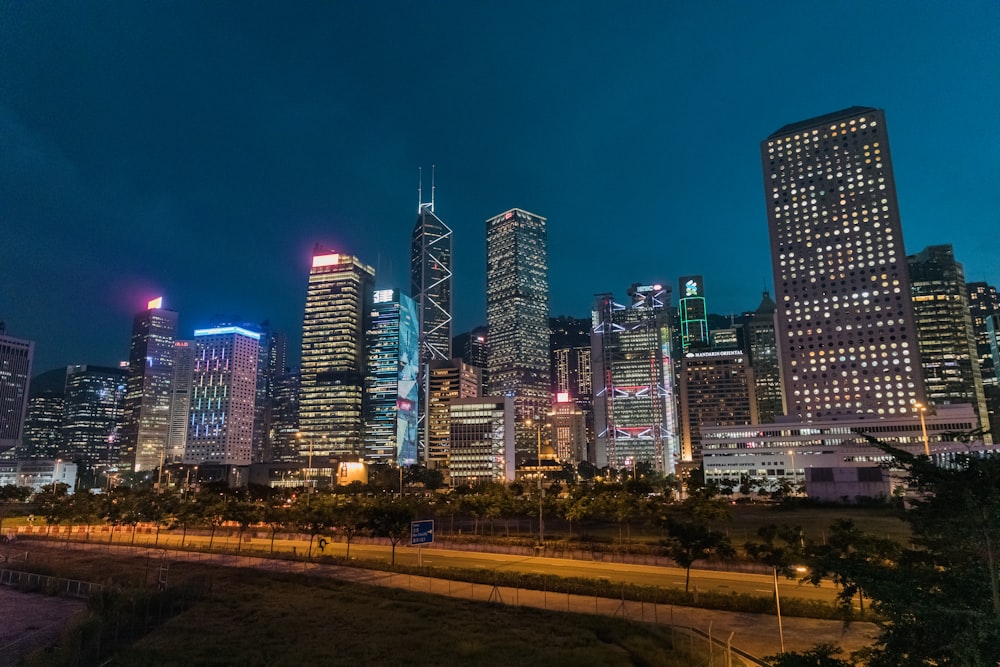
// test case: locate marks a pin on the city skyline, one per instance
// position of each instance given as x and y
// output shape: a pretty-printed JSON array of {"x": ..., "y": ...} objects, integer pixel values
[{"x": 155, "y": 141}]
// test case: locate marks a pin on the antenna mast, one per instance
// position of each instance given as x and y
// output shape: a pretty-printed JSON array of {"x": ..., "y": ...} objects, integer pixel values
[
  {"x": 432, "y": 188},
  {"x": 420, "y": 188}
]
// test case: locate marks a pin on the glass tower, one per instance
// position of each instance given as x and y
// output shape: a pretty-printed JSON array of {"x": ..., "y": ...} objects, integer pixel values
[
  {"x": 391, "y": 390},
  {"x": 338, "y": 305},
  {"x": 517, "y": 314},
  {"x": 846, "y": 334},
  {"x": 94, "y": 403}
]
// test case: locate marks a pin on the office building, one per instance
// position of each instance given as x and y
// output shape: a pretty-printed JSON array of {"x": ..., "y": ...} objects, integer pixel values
[
  {"x": 447, "y": 380},
  {"x": 568, "y": 430},
  {"x": 693, "y": 314},
  {"x": 482, "y": 440},
  {"x": 944, "y": 330},
  {"x": 338, "y": 304},
  {"x": 570, "y": 363},
  {"x": 392, "y": 394},
  {"x": 94, "y": 411},
  {"x": 635, "y": 416},
  {"x": 16, "y": 356},
  {"x": 223, "y": 392},
  {"x": 846, "y": 335},
  {"x": 285, "y": 417},
  {"x": 180, "y": 400},
  {"x": 43, "y": 426},
  {"x": 984, "y": 302},
  {"x": 147, "y": 397},
  {"x": 517, "y": 313},
  {"x": 430, "y": 282},
  {"x": 763, "y": 347},
  {"x": 473, "y": 347},
  {"x": 717, "y": 389}
]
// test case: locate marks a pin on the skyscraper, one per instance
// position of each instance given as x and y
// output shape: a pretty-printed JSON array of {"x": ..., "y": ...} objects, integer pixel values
[
  {"x": 43, "y": 426},
  {"x": 430, "y": 282},
  {"x": 391, "y": 391},
  {"x": 693, "y": 314},
  {"x": 482, "y": 440},
  {"x": 846, "y": 334},
  {"x": 224, "y": 386},
  {"x": 762, "y": 345},
  {"x": 446, "y": 380},
  {"x": 517, "y": 313},
  {"x": 147, "y": 398},
  {"x": 717, "y": 389},
  {"x": 473, "y": 347},
  {"x": 635, "y": 414},
  {"x": 15, "y": 376},
  {"x": 944, "y": 330},
  {"x": 338, "y": 304},
  {"x": 94, "y": 407}
]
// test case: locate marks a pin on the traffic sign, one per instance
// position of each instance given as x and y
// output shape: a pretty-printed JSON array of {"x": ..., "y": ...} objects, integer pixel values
[{"x": 421, "y": 532}]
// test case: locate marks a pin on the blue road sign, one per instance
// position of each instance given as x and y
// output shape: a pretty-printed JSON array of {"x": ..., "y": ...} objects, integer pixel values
[{"x": 421, "y": 532}]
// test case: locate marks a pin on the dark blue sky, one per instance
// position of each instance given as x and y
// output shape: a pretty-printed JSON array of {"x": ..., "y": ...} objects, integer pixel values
[{"x": 198, "y": 150}]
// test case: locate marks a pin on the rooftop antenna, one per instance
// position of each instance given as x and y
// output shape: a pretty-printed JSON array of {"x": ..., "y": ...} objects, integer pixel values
[
  {"x": 420, "y": 188},
  {"x": 432, "y": 188}
]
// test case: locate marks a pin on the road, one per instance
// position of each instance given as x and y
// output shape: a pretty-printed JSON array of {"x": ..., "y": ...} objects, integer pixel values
[{"x": 666, "y": 577}]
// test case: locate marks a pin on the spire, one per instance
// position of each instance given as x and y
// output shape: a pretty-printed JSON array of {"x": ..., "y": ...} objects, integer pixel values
[
  {"x": 432, "y": 188},
  {"x": 420, "y": 189}
]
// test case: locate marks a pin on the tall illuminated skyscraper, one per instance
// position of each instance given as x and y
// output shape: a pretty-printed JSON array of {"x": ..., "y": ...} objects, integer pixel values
[
  {"x": 635, "y": 412},
  {"x": 693, "y": 314},
  {"x": 845, "y": 327},
  {"x": 391, "y": 392},
  {"x": 15, "y": 375},
  {"x": 764, "y": 360},
  {"x": 430, "y": 282},
  {"x": 94, "y": 403},
  {"x": 147, "y": 398},
  {"x": 223, "y": 394},
  {"x": 517, "y": 314},
  {"x": 338, "y": 304},
  {"x": 180, "y": 400}
]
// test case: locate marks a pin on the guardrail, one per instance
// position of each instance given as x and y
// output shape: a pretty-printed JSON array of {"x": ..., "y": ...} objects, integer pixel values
[{"x": 51, "y": 585}]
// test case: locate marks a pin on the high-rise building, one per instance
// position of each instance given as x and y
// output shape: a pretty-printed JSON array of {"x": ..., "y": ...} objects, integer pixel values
[
  {"x": 846, "y": 335},
  {"x": 482, "y": 440},
  {"x": 391, "y": 391},
  {"x": 635, "y": 416},
  {"x": 147, "y": 398},
  {"x": 517, "y": 313},
  {"x": 94, "y": 409},
  {"x": 221, "y": 414},
  {"x": 568, "y": 430},
  {"x": 285, "y": 416},
  {"x": 446, "y": 380},
  {"x": 43, "y": 426},
  {"x": 763, "y": 347},
  {"x": 15, "y": 377},
  {"x": 693, "y": 314},
  {"x": 338, "y": 304},
  {"x": 944, "y": 330},
  {"x": 984, "y": 302},
  {"x": 430, "y": 282},
  {"x": 180, "y": 400},
  {"x": 717, "y": 389}
]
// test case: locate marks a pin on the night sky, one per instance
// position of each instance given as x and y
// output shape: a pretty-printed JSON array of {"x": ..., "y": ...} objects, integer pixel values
[{"x": 198, "y": 150}]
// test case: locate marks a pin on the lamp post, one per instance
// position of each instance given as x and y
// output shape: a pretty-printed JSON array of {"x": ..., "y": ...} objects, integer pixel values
[
  {"x": 538, "y": 436},
  {"x": 921, "y": 409}
]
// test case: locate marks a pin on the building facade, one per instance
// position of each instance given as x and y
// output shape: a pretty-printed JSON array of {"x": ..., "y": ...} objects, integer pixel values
[
  {"x": 517, "y": 313},
  {"x": 984, "y": 303},
  {"x": 43, "y": 426},
  {"x": 846, "y": 334},
  {"x": 693, "y": 314},
  {"x": 224, "y": 390},
  {"x": 635, "y": 416},
  {"x": 482, "y": 440},
  {"x": 392, "y": 395},
  {"x": 447, "y": 380},
  {"x": 180, "y": 400},
  {"x": 947, "y": 341},
  {"x": 338, "y": 304}
]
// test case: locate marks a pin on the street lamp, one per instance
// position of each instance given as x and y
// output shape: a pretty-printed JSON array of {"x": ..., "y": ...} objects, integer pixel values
[
  {"x": 921, "y": 409},
  {"x": 541, "y": 524}
]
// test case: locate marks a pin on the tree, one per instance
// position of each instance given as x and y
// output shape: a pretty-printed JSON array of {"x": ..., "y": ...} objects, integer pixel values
[
  {"x": 821, "y": 655},
  {"x": 689, "y": 541},
  {"x": 939, "y": 597},
  {"x": 350, "y": 519},
  {"x": 391, "y": 519}
]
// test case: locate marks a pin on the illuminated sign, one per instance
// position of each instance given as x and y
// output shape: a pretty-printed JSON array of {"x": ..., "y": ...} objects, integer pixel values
[
  {"x": 223, "y": 331},
  {"x": 562, "y": 397},
  {"x": 690, "y": 288},
  {"x": 154, "y": 303},
  {"x": 326, "y": 260},
  {"x": 383, "y": 295}
]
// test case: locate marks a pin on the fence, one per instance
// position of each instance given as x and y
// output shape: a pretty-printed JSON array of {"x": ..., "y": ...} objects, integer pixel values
[{"x": 47, "y": 584}]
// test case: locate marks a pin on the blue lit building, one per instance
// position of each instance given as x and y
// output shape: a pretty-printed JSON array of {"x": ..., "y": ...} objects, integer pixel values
[
  {"x": 391, "y": 386},
  {"x": 223, "y": 391}
]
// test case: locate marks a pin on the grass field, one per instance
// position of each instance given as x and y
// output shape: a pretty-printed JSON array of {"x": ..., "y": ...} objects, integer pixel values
[{"x": 242, "y": 617}]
